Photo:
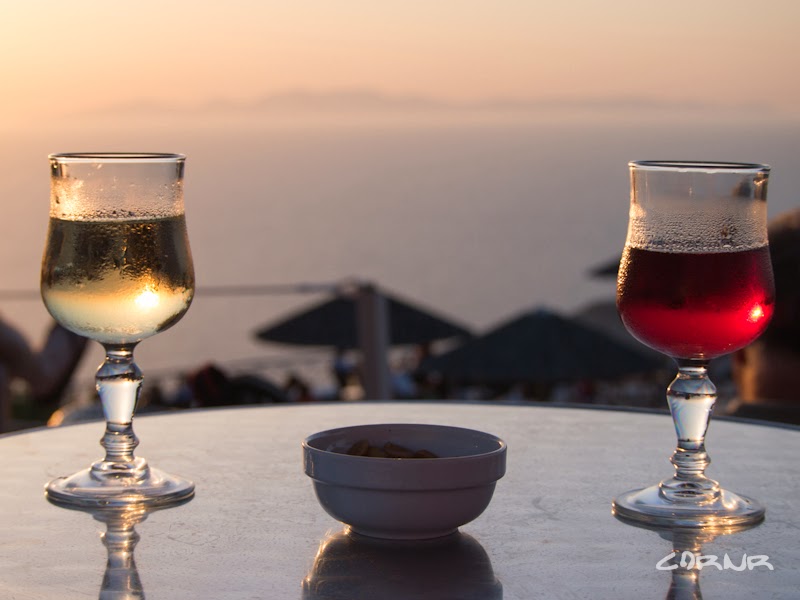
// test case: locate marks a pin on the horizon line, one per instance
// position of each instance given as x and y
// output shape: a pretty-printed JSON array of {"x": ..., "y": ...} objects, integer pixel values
[{"x": 359, "y": 99}]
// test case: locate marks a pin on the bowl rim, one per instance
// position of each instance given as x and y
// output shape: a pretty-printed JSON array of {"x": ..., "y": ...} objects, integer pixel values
[{"x": 500, "y": 449}]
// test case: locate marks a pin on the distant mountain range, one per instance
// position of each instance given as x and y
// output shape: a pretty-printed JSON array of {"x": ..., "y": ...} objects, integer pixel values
[{"x": 374, "y": 102}]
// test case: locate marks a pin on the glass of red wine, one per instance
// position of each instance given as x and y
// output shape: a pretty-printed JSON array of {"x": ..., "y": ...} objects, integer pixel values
[{"x": 695, "y": 283}]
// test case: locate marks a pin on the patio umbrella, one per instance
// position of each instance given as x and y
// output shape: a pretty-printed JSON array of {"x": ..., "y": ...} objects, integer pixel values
[
  {"x": 606, "y": 270},
  {"x": 334, "y": 322},
  {"x": 540, "y": 347}
]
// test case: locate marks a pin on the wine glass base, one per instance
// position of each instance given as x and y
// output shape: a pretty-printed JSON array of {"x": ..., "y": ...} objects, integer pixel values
[
  {"x": 650, "y": 507},
  {"x": 86, "y": 490}
]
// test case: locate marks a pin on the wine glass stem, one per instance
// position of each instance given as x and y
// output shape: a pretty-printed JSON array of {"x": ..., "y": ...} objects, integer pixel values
[
  {"x": 119, "y": 382},
  {"x": 691, "y": 397}
]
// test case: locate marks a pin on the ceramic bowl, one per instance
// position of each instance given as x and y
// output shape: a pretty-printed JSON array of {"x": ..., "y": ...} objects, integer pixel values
[{"x": 405, "y": 498}]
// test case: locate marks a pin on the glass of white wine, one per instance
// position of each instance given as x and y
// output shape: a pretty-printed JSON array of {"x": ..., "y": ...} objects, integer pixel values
[{"x": 117, "y": 268}]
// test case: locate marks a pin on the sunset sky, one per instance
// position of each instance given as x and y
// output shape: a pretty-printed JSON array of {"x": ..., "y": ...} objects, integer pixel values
[{"x": 58, "y": 58}]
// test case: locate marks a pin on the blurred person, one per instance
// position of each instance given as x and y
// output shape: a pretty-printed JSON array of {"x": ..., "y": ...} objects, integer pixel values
[
  {"x": 343, "y": 368},
  {"x": 767, "y": 372},
  {"x": 346, "y": 376},
  {"x": 47, "y": 372},
  {"x": 297, "y": 389},
  {"x": 210, "y": 385}
]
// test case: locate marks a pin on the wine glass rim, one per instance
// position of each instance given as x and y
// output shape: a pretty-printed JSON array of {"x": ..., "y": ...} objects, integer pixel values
[
  {"x": 698, "y": 166},
  {"x": 117, "y": 157}
]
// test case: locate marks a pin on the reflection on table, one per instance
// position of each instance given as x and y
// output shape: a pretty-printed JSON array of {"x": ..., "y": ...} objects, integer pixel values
[
  {"x": 121, "y": 579},
  {"x": 686, "y": 560},
  {"x": 356, "y": 567}
]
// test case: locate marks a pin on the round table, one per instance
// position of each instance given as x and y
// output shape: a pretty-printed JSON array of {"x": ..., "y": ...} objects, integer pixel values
[{"x": 255, "y": 530}]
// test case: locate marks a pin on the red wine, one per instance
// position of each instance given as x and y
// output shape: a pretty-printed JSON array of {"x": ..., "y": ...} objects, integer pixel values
[{"x": 696, "y": 305}]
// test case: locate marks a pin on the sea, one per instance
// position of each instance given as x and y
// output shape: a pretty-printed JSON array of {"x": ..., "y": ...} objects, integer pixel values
[{"x": 477, "y": 218}]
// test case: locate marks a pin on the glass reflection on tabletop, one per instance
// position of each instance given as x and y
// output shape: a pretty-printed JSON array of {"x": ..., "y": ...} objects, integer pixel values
[
  {"x": 353, "y": 566},
  {"x": 121, "y": 578},
  {"x": 686, "y": 560}
]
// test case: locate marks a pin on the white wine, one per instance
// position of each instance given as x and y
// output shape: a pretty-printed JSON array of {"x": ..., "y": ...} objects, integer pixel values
[
  {"x": 117, "y": 268},
  {"x": 117, "y": 281}
]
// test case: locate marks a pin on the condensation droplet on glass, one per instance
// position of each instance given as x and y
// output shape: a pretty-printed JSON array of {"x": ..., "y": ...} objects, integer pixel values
[{"x": 726, "y": 234}]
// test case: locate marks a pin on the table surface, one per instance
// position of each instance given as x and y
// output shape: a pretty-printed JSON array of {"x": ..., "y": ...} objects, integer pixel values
[{"x": 255, "y": 530}]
